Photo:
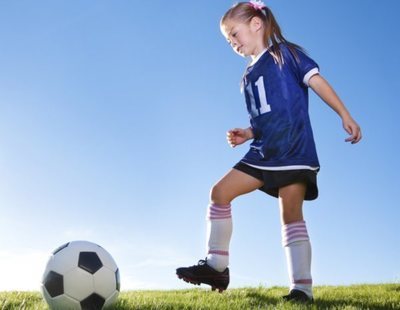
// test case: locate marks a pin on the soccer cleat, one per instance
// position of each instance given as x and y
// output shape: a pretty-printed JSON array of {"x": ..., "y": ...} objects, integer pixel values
[
  {"x": 203, "y": 273},
  {"x": 298, "y": 296}
]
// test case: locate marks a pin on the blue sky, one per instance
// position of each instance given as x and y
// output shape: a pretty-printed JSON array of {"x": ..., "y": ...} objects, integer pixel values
[{"x": 112, "y": 129}]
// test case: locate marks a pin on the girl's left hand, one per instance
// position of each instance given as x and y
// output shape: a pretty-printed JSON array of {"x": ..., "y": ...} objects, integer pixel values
[{"x": 353, "y": 129}]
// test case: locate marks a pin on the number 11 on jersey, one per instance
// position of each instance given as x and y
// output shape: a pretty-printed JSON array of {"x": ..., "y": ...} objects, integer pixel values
[{"x": 261, "y": 107}]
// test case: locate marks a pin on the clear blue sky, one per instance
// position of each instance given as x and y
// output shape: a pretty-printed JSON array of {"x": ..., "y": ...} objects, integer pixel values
[{"x": 112, "y": 129}]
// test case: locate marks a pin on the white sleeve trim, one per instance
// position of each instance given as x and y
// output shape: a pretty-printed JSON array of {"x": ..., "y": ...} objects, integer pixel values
[{"x": 309, "y": 74}]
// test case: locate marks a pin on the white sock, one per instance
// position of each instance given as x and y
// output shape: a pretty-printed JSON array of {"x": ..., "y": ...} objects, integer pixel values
[
  {"x": 297, "y": 246},
  {"x": 219, "y": 232}
]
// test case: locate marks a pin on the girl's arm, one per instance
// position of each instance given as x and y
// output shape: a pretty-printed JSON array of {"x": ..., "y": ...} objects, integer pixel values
[{"x": 322, "y": 88}]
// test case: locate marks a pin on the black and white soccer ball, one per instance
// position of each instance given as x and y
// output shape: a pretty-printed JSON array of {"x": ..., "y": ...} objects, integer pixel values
[{"x": 80, "y": 275}]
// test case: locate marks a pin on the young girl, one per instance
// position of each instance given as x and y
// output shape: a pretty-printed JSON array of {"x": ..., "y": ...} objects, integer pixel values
[{"x": 282, "y": 160}]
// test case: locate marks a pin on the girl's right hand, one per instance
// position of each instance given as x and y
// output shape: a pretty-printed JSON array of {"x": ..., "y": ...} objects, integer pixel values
[
  {"x": 353, "y": 129},
  {"x": 238, "y": 136}
]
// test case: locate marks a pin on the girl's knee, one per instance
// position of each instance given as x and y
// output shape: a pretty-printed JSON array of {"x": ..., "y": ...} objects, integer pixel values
[{"x": 219, "y": 196}]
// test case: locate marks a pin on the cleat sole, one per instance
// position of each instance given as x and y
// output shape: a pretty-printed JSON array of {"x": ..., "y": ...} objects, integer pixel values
[
  {"x": 203, "y": 274},
  {"x": 189, "y": 280}
]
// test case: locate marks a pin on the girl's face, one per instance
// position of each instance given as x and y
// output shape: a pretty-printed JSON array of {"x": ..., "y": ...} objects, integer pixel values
[{"x": 246, "y": 39}]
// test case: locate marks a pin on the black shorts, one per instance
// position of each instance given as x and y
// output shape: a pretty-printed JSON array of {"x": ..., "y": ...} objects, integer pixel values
[{"x": 273, "y": 180}]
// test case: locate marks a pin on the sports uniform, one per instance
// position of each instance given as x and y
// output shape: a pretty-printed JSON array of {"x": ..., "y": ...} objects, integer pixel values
[{"x": 283, "y": 150}]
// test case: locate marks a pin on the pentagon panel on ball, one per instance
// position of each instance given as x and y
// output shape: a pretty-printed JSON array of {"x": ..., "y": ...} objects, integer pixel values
[{"x": 80, "y": 275}]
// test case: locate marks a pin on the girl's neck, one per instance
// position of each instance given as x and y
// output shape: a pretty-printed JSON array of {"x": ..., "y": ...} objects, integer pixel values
[{"x": 255, "y": 58}]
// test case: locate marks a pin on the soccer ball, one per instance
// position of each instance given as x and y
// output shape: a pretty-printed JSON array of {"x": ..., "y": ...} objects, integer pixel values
[{"x": 80, "y": 275}]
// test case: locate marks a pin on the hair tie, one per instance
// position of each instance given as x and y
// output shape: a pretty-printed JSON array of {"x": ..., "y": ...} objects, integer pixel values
[{"x": 257, "y": 5}]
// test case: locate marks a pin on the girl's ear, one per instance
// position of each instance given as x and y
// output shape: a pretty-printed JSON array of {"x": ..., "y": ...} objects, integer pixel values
[{"x": 256, "y": 23}]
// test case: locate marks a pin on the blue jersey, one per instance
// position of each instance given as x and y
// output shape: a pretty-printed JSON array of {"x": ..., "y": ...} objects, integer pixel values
[{"x": 277, "y": 103}]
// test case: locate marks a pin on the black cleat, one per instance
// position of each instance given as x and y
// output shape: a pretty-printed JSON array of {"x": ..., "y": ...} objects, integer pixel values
[
  {"x": 203, "y": 273},
  {"x": 298, "y": 296}
]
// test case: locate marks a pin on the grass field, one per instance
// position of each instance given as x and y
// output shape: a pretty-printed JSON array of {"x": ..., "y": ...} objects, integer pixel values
[{"x": 379, "y": 297}]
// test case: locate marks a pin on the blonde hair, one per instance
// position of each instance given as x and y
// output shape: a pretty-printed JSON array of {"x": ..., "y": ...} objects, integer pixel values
[{"x": 244, "y": 12}]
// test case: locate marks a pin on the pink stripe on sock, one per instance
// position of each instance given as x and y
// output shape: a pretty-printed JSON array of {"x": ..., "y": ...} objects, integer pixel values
[
  {"x": 296, "y": 231},
  {"x": 286, "y": 242},
  {"x": 218, "y": 252},
  {"x": 289, "y": 227},
  {"x": 219, "y": 217},
  {"x": 295, "y": 236},
  {"x": 293, "y": 232},
  {"x": 303, "y": 281},
  {"x": 219, "y": 207},
  {"x": 219, "y": 212}
]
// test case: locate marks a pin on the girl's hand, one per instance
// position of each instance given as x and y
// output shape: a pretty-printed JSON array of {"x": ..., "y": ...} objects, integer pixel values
[
  {"x": 352, "y": 129},
  {"x": 238, "y": 136}
]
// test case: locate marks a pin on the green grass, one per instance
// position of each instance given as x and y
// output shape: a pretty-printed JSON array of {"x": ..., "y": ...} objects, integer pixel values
[{"x": 378, "y": 296}]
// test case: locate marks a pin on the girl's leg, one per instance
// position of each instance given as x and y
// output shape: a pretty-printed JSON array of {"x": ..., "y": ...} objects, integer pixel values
[
  {"x": 219, "y": 218},
  {"x": 295, "y": 238}
]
